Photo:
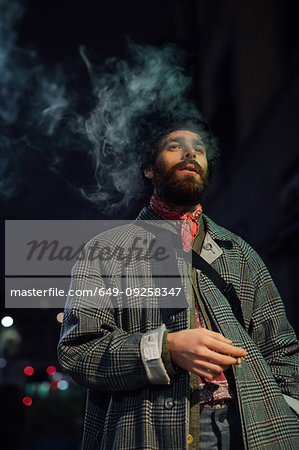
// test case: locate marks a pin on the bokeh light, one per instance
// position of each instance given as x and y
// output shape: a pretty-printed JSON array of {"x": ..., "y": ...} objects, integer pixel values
[
  {"x": 54, "y": 385},
  {"x": 27, "y": 401},
  {"x": 59, "y": 317},
  {"x": 51, "y": 370},
  {"x": 44, "y": 388},
  {"x": 30, "y": 389},
  {"x": 28, "y": 371},
  {"x": 57, "y": 376},
  {"x": 63, "y": 385},
  {"x": 7, "y": 321}
]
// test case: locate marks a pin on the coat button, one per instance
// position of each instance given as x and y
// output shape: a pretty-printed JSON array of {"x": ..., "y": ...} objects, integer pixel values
[
  {"x": 171, "y": 318},
  {"x": 221, "y": 418},
  {"x": 208, "y": 246},
  {"x": 169, "y": 403},
  {"x": 190, "y": 438}
]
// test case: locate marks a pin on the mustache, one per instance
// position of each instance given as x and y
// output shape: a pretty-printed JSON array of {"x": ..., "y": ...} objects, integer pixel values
[{"x": 184, "y": 163}]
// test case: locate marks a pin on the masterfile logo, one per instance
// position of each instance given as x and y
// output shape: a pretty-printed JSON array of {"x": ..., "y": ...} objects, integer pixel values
[{"x": 40, "y": 256}]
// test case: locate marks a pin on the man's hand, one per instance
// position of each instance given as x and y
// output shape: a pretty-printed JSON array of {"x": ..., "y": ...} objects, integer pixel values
[{"x": 203, "y": 352}]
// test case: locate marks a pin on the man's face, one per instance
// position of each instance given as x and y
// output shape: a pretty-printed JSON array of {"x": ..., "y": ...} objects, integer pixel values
[{"x": 179, "y": 174}]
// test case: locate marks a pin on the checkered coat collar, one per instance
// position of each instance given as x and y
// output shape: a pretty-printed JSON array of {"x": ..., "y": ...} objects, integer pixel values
[{"x": 215, "y": 231}]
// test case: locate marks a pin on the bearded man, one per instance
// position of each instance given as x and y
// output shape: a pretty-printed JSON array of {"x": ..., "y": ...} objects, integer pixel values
[{"x": 209, "y": 375}]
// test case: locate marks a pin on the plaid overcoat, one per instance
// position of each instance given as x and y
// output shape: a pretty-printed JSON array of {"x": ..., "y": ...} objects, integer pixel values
[{"x": 100, "y": 349}]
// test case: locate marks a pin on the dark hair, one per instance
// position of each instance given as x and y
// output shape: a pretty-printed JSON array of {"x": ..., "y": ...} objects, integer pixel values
[{"x": 155, "y": 125}]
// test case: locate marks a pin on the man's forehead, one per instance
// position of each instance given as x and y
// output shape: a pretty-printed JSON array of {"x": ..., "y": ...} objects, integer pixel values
[{"x": 182, "y": 134}]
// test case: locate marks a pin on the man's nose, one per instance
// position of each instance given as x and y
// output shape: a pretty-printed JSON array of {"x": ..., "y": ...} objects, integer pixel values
[{"x": 189, "y": 151}]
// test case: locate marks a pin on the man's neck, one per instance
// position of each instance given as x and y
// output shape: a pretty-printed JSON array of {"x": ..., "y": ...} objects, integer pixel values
[{"x": 181, "y": 209}]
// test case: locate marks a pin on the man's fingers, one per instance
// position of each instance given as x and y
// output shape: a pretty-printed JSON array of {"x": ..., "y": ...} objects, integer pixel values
[
  {"x": 211, "y": 366},
  {"x": 206, "y": 373},
  {"x": 214, "y": 335},
  {"x": 202, "y": 349},
  {"x": 227, "y": 349},
  {"x": 220, "y": 343},
  {"x": 209, "y": 370},
  {"x": 220, "y": 359},
  {"x": 209, "y": 375}
]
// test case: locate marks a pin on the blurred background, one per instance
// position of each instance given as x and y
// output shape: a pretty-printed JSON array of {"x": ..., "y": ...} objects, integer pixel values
[{"x": 244, "y": 61}]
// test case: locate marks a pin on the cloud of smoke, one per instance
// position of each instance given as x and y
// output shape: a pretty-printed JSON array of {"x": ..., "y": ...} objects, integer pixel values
[
  {"x": 32, "y": 99},
  {"x": 12, "y": 85},
  {"x": 23, "y": 76},
  {"x": 148, "y": 78},
  {"x": 38, "y": 109}
]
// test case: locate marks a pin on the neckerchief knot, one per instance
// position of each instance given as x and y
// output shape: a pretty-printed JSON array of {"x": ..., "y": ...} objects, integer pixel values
[{"x": 190, "y": 224}]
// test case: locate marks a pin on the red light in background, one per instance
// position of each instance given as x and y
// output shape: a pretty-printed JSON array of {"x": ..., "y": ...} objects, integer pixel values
[
  {"x": 51, "y": 370},
  {"x": 28, "y": 371},
  {"x": 27, "y": 401},
  {"x": 54, "y": 385}
]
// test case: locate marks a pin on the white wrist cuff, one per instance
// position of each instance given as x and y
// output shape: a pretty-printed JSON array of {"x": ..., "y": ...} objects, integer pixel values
[{"x": 151, "y": 350}]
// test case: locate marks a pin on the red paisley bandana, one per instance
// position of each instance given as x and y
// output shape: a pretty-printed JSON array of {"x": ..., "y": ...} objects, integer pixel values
[{"x": 190, "y": 225}]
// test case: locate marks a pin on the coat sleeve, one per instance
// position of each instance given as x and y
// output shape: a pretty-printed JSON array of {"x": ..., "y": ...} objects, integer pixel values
[
  {"x": 94, "y": 350},
  {"x": 271, "y": 330}
]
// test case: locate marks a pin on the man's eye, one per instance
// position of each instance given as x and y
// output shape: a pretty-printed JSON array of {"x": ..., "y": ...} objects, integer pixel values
[
  {"x": 175, "y": 146},
  {"x": 199, "y": 149}
]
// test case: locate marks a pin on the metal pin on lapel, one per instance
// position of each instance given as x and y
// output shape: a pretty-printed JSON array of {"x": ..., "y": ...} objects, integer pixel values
[{"x": 209, "y": 247}]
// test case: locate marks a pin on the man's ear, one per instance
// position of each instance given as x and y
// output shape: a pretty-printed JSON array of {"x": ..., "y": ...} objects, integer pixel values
[{"x": 149, "y": 173}]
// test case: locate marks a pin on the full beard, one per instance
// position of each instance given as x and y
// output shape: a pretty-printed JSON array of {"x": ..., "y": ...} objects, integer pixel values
[{"x": 178, "y": 190}]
